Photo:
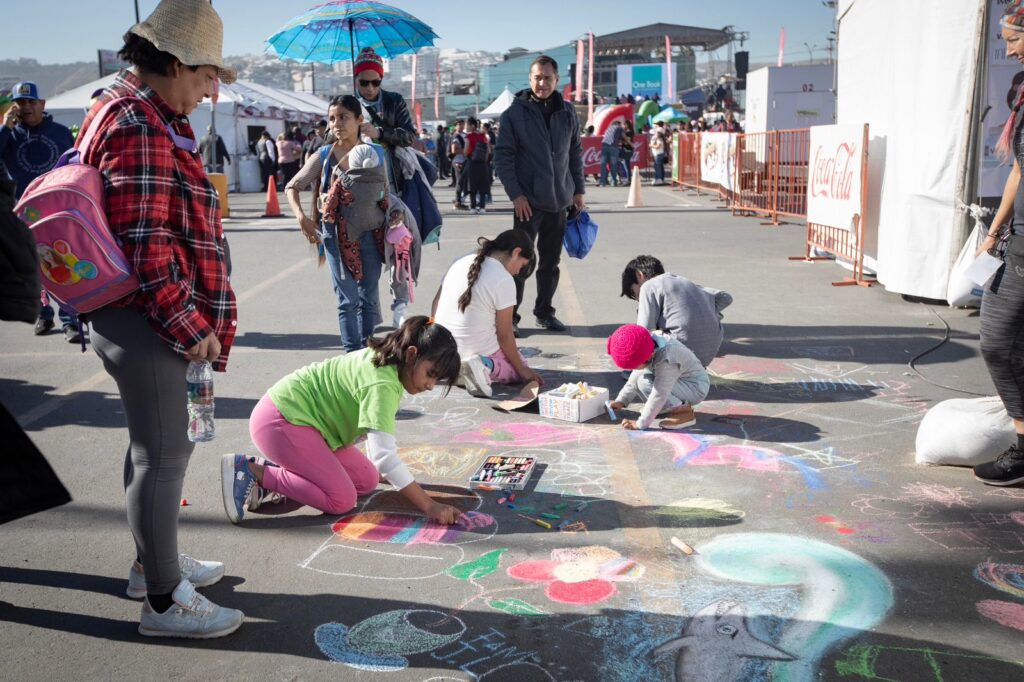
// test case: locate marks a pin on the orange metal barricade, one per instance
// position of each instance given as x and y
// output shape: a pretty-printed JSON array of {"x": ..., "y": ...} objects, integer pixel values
[
  {"x": 754, "y": 165},
  {"x": 791, "y": 170},
  {"x": 846, "y": 243}
]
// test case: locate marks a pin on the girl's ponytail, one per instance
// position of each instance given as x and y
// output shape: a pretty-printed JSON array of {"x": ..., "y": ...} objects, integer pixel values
[
  {"x": 503, "y": 243},
  {"x": 432, "y": 341}
]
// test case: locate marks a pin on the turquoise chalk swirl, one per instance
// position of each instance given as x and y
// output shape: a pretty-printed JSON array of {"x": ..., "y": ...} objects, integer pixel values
[{"x": 842, "y": 594}]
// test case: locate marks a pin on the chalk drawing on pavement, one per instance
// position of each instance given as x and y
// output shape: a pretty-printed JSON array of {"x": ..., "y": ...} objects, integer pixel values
[
  {"x": 1008, "y": 578},
  {"x": 841, "y": 593},
  {"x": 998, "y": 533},
  {"x": 701, "y": 511},
  {"x": 579, "y": 575},
  {"x": 937, "y": 495},
  {"x": 424, "y": 548},
  {"x": 382, "y": 642},
  {"x": 483, "y": 652},
  {"x": 524, "y": 434},
  {"x": 875, "y": 662},
  {"x": 442, "y": 461},
  {"x": 1005, "y": 613},
  {"x": 717, "y": 644}
]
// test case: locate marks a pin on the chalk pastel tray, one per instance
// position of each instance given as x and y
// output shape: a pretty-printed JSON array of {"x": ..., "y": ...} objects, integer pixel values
[{"x": 504, "y": 473}]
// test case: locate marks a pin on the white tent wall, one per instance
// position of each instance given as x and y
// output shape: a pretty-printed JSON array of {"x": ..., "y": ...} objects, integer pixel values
[{"x": 907, "y": 68}]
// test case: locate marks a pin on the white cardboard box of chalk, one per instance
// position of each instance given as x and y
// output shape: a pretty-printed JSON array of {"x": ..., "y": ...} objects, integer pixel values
[{"x": 573, "y": 402}]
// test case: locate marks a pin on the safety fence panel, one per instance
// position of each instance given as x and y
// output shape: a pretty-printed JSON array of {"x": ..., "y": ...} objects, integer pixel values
[
  {"x": 753, "y": 187},
  {"x": 790, "y": 171}
]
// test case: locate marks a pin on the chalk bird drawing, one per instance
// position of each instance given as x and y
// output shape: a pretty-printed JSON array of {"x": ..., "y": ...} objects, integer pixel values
[{"x": 716, "y": 645}]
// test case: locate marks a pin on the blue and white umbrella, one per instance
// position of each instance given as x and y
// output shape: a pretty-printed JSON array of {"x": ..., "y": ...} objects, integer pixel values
[{"x": 338, "y": 30}]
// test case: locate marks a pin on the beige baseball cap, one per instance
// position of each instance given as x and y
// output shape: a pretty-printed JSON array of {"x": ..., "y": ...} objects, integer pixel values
[{"x": 191, "y": 30}]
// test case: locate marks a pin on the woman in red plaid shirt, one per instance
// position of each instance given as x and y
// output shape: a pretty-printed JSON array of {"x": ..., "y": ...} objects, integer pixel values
[{"x": 166, "y": 213}]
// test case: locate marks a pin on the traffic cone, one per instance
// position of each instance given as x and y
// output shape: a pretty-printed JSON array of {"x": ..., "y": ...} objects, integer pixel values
[
  {"x": 635, "y": 200},
  {"x": 273, "y": 207}
]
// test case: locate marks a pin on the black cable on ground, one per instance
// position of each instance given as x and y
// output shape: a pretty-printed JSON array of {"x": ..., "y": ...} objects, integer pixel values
[{"x": 941, "y": 343}]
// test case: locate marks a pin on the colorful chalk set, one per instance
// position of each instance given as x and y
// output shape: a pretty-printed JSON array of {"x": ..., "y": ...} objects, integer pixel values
[{"x": 504, "y": 473}]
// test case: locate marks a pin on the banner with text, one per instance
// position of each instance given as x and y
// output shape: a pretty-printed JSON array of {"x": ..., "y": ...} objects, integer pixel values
[
  {"x": 645, "y": 79},
  {"x": 836, "y": 173},
  {"x": 718, "y": 158},
  {"x": 592, "y": 154}
]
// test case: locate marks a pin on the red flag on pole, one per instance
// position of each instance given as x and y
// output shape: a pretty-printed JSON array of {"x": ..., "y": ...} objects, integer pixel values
[
  {"x": 590, "y": 83},
  {"x": 578, "y": 95},
  {"x": 782, "y": 44},
  {"x": 419, "y": 116},
  {"x": 668, "y": 70},
  {"x": 414, "y": 86}
]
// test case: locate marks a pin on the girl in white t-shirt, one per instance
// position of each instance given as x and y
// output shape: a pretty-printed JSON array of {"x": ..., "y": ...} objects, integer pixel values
[{"x": 475, "y": 302}]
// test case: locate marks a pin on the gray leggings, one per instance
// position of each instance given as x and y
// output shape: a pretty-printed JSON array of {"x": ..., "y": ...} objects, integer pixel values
[{"x": 151, "y": 380}]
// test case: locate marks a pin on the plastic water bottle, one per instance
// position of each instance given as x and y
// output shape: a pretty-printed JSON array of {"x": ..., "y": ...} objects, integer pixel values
[{"x": 199, "y": 377}]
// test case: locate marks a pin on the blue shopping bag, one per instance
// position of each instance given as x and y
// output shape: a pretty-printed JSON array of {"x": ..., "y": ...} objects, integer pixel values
[{"x": 580, "y": 235}]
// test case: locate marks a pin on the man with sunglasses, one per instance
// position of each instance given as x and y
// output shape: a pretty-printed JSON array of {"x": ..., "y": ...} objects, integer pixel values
[{"x": 390, "y": 124}]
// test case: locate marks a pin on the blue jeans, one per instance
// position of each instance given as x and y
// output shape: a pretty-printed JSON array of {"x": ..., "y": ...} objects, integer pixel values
[
  {"x": 358, "y": 301},
  {"x": 609, "y": 159},
  {"x": 659, "y": 168}
]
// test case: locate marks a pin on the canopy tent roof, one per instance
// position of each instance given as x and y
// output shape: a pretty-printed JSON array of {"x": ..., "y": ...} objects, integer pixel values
[
  {"x": 252, "y": 99},
  {"x": 653, "y": 36},
  {"x": 500, "y": 104}
]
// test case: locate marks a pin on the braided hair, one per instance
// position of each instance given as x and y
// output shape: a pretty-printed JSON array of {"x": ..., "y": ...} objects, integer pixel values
[{"x": 505, "y": 242}]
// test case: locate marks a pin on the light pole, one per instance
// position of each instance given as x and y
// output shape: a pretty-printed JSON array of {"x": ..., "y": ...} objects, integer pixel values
[{"x": 810, "y": 53}]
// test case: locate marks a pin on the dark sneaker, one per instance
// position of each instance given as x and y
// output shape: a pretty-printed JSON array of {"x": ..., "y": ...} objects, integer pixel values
[
  {"x": 72, "y": 335},
  {"x": 551, "y": 323},
  {"x": 43, "y": 327},
  {"x": 1007, "y": 469}
]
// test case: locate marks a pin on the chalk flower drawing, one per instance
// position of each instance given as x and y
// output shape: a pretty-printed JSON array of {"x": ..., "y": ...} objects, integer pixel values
[
  {"x": 937, "y": 494},
  {"x": 523, "y": 434},
  {"x": 1008, "y": 578},
  {"x": 579, "y": 575}
]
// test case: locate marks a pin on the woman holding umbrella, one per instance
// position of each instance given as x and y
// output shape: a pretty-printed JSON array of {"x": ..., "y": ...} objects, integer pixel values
[{"x": 390, "y": 124}]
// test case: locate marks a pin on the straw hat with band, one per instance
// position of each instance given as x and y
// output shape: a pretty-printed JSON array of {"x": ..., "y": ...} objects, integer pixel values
[{"x": 191, "y": 30}]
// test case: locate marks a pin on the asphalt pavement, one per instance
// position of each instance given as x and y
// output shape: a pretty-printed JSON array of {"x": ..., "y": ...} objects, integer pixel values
[{"x": 808, "y": 543}]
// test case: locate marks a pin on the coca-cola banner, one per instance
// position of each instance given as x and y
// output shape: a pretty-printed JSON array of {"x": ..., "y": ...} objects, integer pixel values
[
  {"x": 835, "y": 175},
  {"x": 592, "y": 153},
  {"x": 718, "y": 158}
]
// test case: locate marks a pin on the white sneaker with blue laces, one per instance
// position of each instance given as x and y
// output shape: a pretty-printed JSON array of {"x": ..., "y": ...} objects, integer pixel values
[
  {"x": 192, "y": 616},
  {"x": 199, "y": 573},
  {"x": 235, "y": 481}
]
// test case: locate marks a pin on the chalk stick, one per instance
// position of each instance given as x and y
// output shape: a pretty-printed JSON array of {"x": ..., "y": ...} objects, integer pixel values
[
  {"x": 546, "y": 515},
  {"x": 560, "y": 506},
  {"x": 610, "y": 411},
  {"x": 511, "y": 506},
  {"x": 683, "y": 547},
  {"x": 512, "y": 497},
  {"x": 580, "y": 507},
  {"x": 501, "y": 500}
]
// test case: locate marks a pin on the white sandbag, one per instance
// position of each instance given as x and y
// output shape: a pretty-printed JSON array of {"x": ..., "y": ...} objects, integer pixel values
[
  {"x": 961, "y": 292},
  {"x": 964, "y": 432}
]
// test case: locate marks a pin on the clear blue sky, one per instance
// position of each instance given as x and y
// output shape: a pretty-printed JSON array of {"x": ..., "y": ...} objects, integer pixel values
[{"x": 57, "y": 31}]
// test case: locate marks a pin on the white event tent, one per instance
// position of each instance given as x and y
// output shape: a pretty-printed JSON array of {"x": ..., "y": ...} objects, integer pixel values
[
  {"x": 243, "y": 110},
  {"x": 499, "y": 105},
  {"x": 917, "y": 72}
]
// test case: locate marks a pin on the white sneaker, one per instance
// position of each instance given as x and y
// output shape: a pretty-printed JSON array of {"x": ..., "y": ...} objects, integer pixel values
[
  {"x": 192, "y": 616},
  {"x": 199, "y": 573},
  {"x": 475, "y": 377}
]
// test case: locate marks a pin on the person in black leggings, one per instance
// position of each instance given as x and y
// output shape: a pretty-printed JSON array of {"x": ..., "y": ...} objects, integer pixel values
[{"x": 1002, "y": 305}]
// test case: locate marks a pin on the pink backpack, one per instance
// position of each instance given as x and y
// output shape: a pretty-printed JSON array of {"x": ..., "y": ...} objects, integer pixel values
[
  {"x": 81, "y": 262},
  {"x": 400, "y": 238}
]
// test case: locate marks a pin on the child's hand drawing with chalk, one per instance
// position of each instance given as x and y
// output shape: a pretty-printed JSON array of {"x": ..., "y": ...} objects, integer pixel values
[{"x": 308, "y": 423}]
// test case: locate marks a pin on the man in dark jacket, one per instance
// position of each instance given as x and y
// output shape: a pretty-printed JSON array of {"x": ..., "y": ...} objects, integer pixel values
[
  {"x": 539, "y": 160},
  {"x": 31, "y": 142},
  {"x": 213, "y": 151},
  {"x": 390, "y": 123},
  {"x": 19, "y": 263}
]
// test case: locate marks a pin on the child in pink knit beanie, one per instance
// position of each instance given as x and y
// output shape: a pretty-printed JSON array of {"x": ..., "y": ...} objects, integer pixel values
[{"x": 664, "y": 373}]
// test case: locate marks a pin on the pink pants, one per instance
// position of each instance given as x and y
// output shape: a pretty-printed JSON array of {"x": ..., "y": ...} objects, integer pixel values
[
  {"x": 504, "y": 372},
  {"x": 308, "y": 470}
]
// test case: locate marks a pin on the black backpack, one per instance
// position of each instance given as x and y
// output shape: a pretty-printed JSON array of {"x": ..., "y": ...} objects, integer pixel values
[{"x": 479, "y": 152}]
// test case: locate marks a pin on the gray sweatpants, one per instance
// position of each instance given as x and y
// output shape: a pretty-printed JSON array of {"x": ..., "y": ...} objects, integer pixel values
[{"x": 151, "y": 380}]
